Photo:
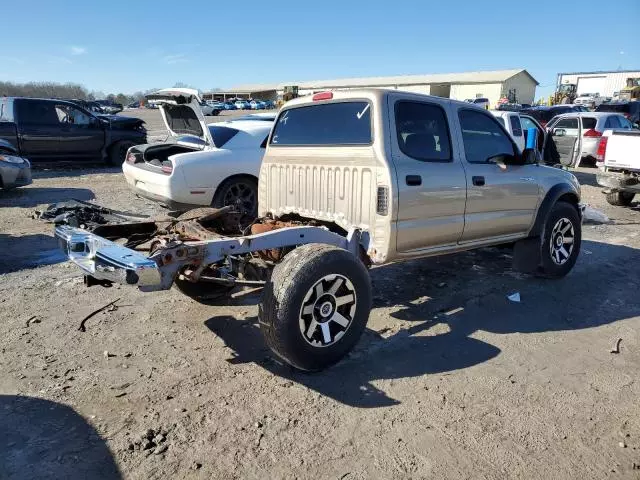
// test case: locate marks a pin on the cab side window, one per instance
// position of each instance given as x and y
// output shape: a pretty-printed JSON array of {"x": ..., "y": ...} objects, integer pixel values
[
  {"x": 423, "y": 132},
  {"x": 483, "y": 138}
]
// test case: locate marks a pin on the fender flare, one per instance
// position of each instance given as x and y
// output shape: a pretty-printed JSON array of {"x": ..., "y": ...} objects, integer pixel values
[{"x": 560, "y": 191}]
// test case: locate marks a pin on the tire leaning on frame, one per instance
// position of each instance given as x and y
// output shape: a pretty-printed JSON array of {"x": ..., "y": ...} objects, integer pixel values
[{"x": 316, "y": 306}]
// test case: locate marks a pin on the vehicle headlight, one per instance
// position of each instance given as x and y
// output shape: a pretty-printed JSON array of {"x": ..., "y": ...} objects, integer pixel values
[{"x": 11, "y": 159}]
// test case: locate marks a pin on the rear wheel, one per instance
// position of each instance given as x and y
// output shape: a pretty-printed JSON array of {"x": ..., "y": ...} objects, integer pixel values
[
  {"x": 118, "y": 153},
  {"x": 316, "y": 306},
  {"x": 560, "y": 241},
  {"x": 620, "y": 199},
  {"x": 240, "y": 191}
]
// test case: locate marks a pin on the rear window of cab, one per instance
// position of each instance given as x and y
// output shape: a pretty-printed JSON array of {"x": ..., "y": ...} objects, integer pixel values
[{"x": 335, "y": 123}]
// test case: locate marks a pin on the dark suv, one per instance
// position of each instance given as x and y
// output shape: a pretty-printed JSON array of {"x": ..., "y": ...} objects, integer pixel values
[
  {"x": 544, "y": 114},
  {"x": 631, "y": 110}
]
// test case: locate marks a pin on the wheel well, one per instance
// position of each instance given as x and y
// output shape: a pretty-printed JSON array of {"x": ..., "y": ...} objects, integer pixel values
[
  {"x": 234, "y": 177},
  {"x": 569, "y": 197}
]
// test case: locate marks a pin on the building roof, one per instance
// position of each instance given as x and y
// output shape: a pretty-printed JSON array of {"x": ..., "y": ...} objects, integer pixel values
[
  {"x": 602, "y": 72},
  {"x": 452, "y": 78}
]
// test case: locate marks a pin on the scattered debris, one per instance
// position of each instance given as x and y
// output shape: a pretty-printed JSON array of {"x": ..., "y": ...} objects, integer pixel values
[
  {"x": 616, "y": 349},
  {"x": 160, "y": 449},
  {"x": 33, "y": 319},
  {"x": 196, "y": 466},
  {"x": 514, "y": 297},
  {"x": 622, "y": 445},
  {"x": 592, "y": 215},
  {"x": 95, "y": 312},
  {"x": 120, "y": 394},
  {"x": 108, "y": 354}
]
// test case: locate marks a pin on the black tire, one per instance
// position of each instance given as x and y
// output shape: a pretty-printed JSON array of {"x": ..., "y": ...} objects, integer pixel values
[
  {"x": 118, "y": 153},
  {"x": 228, "y": 189},
  {"x": 294, "y": 287},
  {"x": 620, "y": 199},
  {"x": 555, "y": 244}
]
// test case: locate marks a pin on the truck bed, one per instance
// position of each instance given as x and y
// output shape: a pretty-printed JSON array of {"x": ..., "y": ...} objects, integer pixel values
[{"x": 623, "y": 150}]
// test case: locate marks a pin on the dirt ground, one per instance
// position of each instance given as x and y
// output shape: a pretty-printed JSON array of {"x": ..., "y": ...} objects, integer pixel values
[{"x": 451, "y": 380}]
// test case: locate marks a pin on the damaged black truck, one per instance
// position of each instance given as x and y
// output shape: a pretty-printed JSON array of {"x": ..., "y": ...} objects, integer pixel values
[{"x": 53, "y": 130}]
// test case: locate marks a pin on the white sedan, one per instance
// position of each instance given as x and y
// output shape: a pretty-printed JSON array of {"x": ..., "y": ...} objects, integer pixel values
[{"x": 201, "y": 165}]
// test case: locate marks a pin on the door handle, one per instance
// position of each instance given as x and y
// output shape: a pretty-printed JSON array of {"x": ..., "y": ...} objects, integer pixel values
[
  {"x": 414, "y": 180},
  {"x": 478, "y": 181}
]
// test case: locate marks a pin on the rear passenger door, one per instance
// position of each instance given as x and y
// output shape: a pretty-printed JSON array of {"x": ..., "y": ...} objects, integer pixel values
[
  {"x": 501, "y": 199},
  {"x": 564, "y": 141},
  {"x": 430, "y": 178},
  {"x": 39, "y": 128}
]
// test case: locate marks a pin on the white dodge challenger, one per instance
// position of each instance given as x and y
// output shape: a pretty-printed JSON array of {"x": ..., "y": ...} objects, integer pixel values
[{"x": 200, "y": 165}]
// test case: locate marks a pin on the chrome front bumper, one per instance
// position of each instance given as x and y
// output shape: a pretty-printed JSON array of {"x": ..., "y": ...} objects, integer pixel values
[{"x": 105, "y": 260}]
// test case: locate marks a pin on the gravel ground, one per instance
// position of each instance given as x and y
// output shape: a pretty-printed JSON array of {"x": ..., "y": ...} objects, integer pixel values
[{"x": 451, "y": 380}]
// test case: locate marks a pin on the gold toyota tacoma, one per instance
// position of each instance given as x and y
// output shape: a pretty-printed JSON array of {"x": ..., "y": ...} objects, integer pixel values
[{"x": 350, "y": 179}]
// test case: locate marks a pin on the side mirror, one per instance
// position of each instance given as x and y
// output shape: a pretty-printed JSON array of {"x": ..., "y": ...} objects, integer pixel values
[
  {"x": 559, "y": 132},
  {"x": 529, "y": 156}
]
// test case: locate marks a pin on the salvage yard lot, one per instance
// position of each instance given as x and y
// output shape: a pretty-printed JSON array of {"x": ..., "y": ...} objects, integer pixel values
[{"x": 451, "y": 379}]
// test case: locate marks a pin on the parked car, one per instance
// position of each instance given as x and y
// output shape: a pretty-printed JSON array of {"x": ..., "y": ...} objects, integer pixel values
[
  {"x": 578, "y": 134},
  {"x": 269, "y": 104},
  {"x": 443, "y": 177},
  {"x": 243, "y": 105},
  {"x": 46, "y": 129},
  {"x": 230, "y": 106},
  {"x": 544, "y": 114},
  {"x": 15, "y": 171},
  {"x": 631, "y": 110},
  {"x": 93, "y": 107},
  {"x": 217, "y": 105},
  {"x": 202, "y": 165},
  {"x": 110, "y": 107},
  {"x": 516, "y": 125},
  {"x": 481, "y": 102},
  {"x": 134, "y": 105},
  {"x": 618, "y": 162},
  {"x": 257, "y": 105},
  {"x": 589, "y": 100},
  {"x": 209, "y": 109}
]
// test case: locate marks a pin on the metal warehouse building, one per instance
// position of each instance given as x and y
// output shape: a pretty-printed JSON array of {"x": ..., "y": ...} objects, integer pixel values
[
  {"x": 607, "y": 84},
  {"x": 518, "y": 85}
]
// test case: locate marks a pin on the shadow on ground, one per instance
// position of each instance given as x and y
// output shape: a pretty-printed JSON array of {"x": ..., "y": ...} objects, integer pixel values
[
  {"x": 28, "y": 251},
  {"x": 442, "y": 302},
  {"x": 28, "y": 197},
  {"x": 76, "y": 169},
  {"x": 44, "y": 439}
]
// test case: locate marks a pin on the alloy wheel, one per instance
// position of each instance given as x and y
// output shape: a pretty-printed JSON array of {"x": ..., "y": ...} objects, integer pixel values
[
  {"x": 327, "y": 310},
  {"x": 562, "y": 241}
]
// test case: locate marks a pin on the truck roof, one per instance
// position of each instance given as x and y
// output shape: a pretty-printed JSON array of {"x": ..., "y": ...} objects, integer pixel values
[{"x": 375, "y": 94}]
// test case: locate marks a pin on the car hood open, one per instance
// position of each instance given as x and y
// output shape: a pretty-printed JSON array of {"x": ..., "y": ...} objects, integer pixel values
[
  {"x": 119, "y": 122},
  {"x": 182, "y": 114}
]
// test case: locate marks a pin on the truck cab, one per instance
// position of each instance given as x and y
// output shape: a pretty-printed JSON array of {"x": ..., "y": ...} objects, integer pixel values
[{"x": 420, "y": 174}]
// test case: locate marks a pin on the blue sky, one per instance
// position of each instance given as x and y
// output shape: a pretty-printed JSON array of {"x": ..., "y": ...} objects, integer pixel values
[{"x": 124, "y": 46}]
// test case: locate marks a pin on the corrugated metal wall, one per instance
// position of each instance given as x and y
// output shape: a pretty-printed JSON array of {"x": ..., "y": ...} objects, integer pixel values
[{"x": 614, "y": 81}]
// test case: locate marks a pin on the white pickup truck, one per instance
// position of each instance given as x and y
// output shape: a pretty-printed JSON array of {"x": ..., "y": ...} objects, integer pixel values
[{"x": 618, "y": 161}]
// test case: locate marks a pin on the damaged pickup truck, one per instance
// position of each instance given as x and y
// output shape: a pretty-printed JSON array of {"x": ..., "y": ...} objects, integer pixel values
[{"x": 350, "y": 180}]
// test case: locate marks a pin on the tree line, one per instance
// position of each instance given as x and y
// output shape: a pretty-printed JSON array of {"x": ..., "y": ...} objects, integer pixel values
[{"x": 66, "y": 91}]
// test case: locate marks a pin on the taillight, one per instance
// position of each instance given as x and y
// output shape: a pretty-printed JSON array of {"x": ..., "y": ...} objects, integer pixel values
[
  {"x": 592, "y": 133},
  {"x": 382, "y": 207},
  {"x": 131, "y": 158},
  {"x": 167, "y": 166},
  {"x": 627, "y": 115},
  {"x": 323, "y": 96},
  {"x": 602, "y": 149}
]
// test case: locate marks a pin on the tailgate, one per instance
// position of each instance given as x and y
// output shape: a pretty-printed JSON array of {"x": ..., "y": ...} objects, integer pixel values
[{"x": 623, "y": 149}]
